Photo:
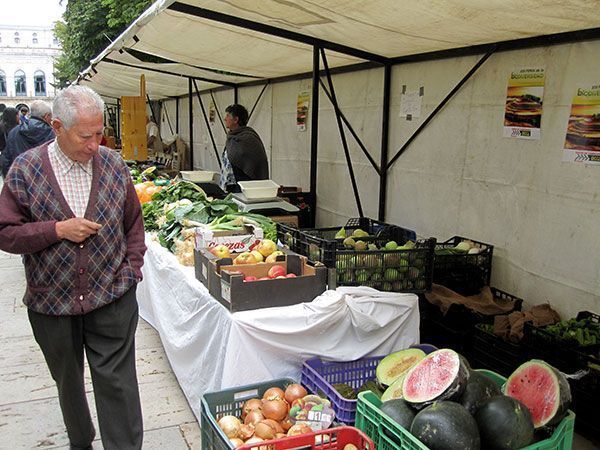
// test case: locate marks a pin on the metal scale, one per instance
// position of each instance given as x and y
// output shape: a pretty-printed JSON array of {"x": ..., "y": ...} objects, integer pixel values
[{"x": 272, "y": 206}]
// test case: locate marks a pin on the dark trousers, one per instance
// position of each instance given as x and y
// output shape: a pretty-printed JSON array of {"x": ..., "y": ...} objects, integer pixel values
[{"x": 108, "y": 337}]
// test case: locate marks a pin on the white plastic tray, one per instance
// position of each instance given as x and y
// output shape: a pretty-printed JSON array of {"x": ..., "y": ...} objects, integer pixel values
[
  {"x": 199, "y": 176},
  {"x": 259, "y": 189}
]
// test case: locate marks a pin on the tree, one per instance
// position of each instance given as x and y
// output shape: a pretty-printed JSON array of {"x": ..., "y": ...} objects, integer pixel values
[{"x": 88, "y": 27}]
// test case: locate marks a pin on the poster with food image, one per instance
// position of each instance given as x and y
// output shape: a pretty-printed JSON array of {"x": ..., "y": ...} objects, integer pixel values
[
  {"x": 302, "y": 110},
  {"x": 582, "y": 140},
  {"x": 523, "y": 109}
]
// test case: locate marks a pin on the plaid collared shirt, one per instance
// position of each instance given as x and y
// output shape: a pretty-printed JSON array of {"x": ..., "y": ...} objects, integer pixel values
[{"x": 74, "y": 178}]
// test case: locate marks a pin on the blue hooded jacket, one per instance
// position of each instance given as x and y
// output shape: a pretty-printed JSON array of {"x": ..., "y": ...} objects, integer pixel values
[{"x": 24, "y": 137}]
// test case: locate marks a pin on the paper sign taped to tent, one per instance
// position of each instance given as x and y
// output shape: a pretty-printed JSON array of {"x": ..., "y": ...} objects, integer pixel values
[
  {"x": 582, "y": 141},
  {"x": 410, "y": 104},
  {"x": 523, "y": 108}
]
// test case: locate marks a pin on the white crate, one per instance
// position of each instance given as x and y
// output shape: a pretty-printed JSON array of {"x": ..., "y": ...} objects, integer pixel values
[
  {"x": 200, "y": 176},
  {"x": 259, "y": 189}
]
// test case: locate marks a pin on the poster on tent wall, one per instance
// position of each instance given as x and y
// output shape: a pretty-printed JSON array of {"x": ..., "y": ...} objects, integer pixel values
[
  {"x": 302, "y": 110},
  {"x": 523, "y": 108},
  {"x": 582, "y": 141}
]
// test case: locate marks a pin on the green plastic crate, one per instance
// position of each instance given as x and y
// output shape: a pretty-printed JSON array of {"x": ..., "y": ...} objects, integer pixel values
[
  {"x": 229, "y": 402},
  {"x": 388, "y": 435}
]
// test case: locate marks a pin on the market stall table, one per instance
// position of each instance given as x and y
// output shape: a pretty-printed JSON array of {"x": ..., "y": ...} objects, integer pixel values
[{"x": 211, "y": 349}]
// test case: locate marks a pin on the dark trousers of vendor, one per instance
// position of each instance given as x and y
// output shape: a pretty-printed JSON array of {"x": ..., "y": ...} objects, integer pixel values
[{"x": 108, "y": 337}]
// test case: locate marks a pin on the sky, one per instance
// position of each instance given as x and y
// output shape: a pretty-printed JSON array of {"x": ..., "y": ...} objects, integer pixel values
[{"x": 31, "y": 12}]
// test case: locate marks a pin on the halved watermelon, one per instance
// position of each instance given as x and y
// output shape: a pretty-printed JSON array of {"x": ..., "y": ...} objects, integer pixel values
[
  {"x": 396, "y": 364},
  {"x": 394, "y": 390},
  {"x": 441, "y": 375},
  {"x": 542, "y": 389}
]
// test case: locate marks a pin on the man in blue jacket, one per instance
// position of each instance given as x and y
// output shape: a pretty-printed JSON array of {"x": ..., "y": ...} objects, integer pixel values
[{"x": 28, "y": 135}]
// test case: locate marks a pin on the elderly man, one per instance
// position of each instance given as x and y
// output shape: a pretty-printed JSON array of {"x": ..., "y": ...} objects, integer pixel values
[
  {"x": 69, "y": 207},
  {"x": 28, "y": 134}
]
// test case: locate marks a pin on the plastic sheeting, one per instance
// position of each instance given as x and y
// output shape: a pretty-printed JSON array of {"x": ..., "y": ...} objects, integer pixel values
[{"x": 211, "y": 349}]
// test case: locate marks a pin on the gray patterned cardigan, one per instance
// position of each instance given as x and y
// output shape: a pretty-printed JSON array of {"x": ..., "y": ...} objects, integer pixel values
[{"x": 65, "y": 278}]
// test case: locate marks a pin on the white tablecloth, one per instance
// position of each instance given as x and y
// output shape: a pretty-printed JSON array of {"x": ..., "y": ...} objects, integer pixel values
[{"x": 211, "y": 349}]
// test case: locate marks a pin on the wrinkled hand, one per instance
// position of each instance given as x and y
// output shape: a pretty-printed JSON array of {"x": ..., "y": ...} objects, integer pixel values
[{"x": 76, "y": 229}]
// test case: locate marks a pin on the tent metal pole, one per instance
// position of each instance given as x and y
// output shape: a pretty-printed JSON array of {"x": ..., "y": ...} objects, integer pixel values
[
  {"x": 440, "y": 106},
  {"x": 314, "y": 135},
  {"x": 217, "y": 110},
  {"x": 235, "y": 94},
  {"x": 342, "y": 135},
  {"x": 168, "y": 119},
  {"x": 258, "y": 99},
  {"x": 212, "y": 138},
  {"x": 351, "y": 129},
  {"x": 385, "y": 129},
  {"x": 151, "y": 109},
  {"x": 118, "y": 123},
  {"x": 177, "y": 115},
  {"x": 191, "y": 121}
]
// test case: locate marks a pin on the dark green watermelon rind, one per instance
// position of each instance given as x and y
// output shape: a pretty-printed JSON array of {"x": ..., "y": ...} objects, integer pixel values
[
  {"x": 479, "y": 388},
  {"x": 564, "y": 391},
  {"x": 399, "y": 411},
  {"x": 453, "y": 392},
  {"x": 504, "y": 424},
  {"x": 446, "y": 425}
]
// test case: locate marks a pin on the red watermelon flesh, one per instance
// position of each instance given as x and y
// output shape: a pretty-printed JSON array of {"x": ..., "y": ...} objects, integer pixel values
[
  {"x": 441, "y": 375},
  {"x": 542, "y": 389}
]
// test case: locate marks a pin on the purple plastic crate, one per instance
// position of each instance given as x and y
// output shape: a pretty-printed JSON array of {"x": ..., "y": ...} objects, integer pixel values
[{"x": 319, "y": 376}]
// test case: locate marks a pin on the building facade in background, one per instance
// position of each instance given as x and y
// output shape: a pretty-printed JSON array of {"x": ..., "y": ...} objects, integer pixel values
[{"x": 27, "y": 56}]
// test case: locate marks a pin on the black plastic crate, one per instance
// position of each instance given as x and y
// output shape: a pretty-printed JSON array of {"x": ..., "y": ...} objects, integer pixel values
[
  {"x": 436, "y": 332},
  {"x": 405, "y": 270},
  {"x": 462, "y": 272}
]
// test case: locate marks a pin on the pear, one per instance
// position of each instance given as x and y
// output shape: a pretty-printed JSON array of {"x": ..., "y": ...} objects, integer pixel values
[
  {"x": 360, "y": 246},
  {"x": 372, "y": 247},
  {"x": 349, "y": 242},
  {"x": 341, "y": 234},
  {"x": 359, "y": 233}
]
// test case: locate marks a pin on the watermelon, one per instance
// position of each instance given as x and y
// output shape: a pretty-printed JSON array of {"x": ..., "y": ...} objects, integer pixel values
[
  {"x": 394, "y": 390},
  {"x": 478, "y": 389},
  {"x": 441, "y": 375},
  {"x": 399, "y": 411},
  {"x": 446, "y": 426},
  {"x": 542, "y": 389},
  {"x": 504, "y": 424},
  {"x": 396, "y": 364}
]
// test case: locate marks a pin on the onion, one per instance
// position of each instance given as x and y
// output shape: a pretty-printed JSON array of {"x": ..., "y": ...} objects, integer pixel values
[
  {"x": 264, "y": 431},
  {"x": 251, "y": 405},
  {"x": 236, "y": 442},
  {"x": 246, "y": 431},
  {"x": 294, "y": 391},
  {"x": 299, "y": 428},
  {"x": 230, "y": 425},
  {"x": 286, "y": 424},
  {"x": 273, "y": 424},
  {"x": 273, "y": 393},
  {"x": 253, "y": 417},
  {"x": 254, "y": 440},
  {"x": 280, "y": 435},
  {"x": 275, "y": 409}
]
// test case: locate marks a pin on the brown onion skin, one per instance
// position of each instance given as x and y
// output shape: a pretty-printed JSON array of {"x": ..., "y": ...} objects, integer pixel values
[
  {"x": 253, "y": 417},
  {"x": 251, "y": 405},
  {"x": 275, "y": 409},
  {"x": 297, "y": 429},
  {"x": 277, "y": 428},
  {"x": 273, "y": 393},
  {"x": 293, "y": 392},
  {"x": 246, "y": 431},
  {"x": 264, "y": 431},
  {"x": 286, "y": 424}
]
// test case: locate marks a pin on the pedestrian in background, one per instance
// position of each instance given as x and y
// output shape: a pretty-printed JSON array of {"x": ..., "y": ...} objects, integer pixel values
[
  {"x": 70, "y": 208},
  {"x": 24, "y": 116},
  {"x": 9, "y": 120},
  {"x": 28, "y": 135}
]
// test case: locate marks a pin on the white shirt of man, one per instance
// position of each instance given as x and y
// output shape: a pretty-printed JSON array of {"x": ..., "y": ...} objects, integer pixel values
[{"x": 152, "y": 131}]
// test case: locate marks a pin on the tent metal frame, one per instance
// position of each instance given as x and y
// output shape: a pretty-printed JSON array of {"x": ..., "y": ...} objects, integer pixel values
[{"x": 373, "y": 61}]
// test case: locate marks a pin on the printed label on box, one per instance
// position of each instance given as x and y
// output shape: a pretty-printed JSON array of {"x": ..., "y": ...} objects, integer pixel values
[
  {"x": 236, "y": 243},
  {"x": 226, "y": 291}
]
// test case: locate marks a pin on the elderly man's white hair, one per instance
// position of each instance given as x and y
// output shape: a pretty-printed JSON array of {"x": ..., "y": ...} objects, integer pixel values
[
  {"x": 40, "y": 108},
  {"x": 76, "y": 100}
]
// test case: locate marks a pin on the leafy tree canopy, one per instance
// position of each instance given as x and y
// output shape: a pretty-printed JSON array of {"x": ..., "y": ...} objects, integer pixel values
[{"x": 88, "y": 26}]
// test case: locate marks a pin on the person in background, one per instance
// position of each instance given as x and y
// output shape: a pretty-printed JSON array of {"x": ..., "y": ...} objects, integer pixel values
[
  {"x": 154, "y": 140},
  {"x": 244, "y": 157},
  {"x": 70, "y": 208},
  {"x": 9, "y": 120},
  {"x": 2, "y": 107},
  {"x": 24, "y": 114},
  {"x": 28, "y": 135}
]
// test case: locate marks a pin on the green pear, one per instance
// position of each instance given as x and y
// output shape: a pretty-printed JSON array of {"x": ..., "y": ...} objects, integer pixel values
[
  {"x": 349, "y": 242},
  {"x": 341, "y": 234}
]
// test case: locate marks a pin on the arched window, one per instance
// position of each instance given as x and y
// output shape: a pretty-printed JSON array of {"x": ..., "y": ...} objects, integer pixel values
[
  {"x": 34, "y": 38},
  {"x": 39, "y": 82},
  {"x": 20, "y": 86},
  {"x": 2, "y": 83},
  {"x": 17, "y": 38}
]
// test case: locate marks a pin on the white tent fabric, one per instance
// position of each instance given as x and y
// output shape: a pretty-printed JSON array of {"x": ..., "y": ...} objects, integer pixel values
[{"x": 381, "y": 27}]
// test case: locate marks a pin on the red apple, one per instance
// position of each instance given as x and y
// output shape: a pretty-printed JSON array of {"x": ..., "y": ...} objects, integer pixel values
[
  {"x": 263, "y": 278},
  {"x": 277, "y": 271},
  {"x": 291, "y": 275},
  {"x": 250, "y": 278}
]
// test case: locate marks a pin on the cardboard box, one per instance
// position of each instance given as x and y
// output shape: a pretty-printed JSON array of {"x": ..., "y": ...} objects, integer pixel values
[
  {"x": 230, "y": 289},
  {"x": 290, "y": 219},
  {"x": 236, "y": 241}
]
